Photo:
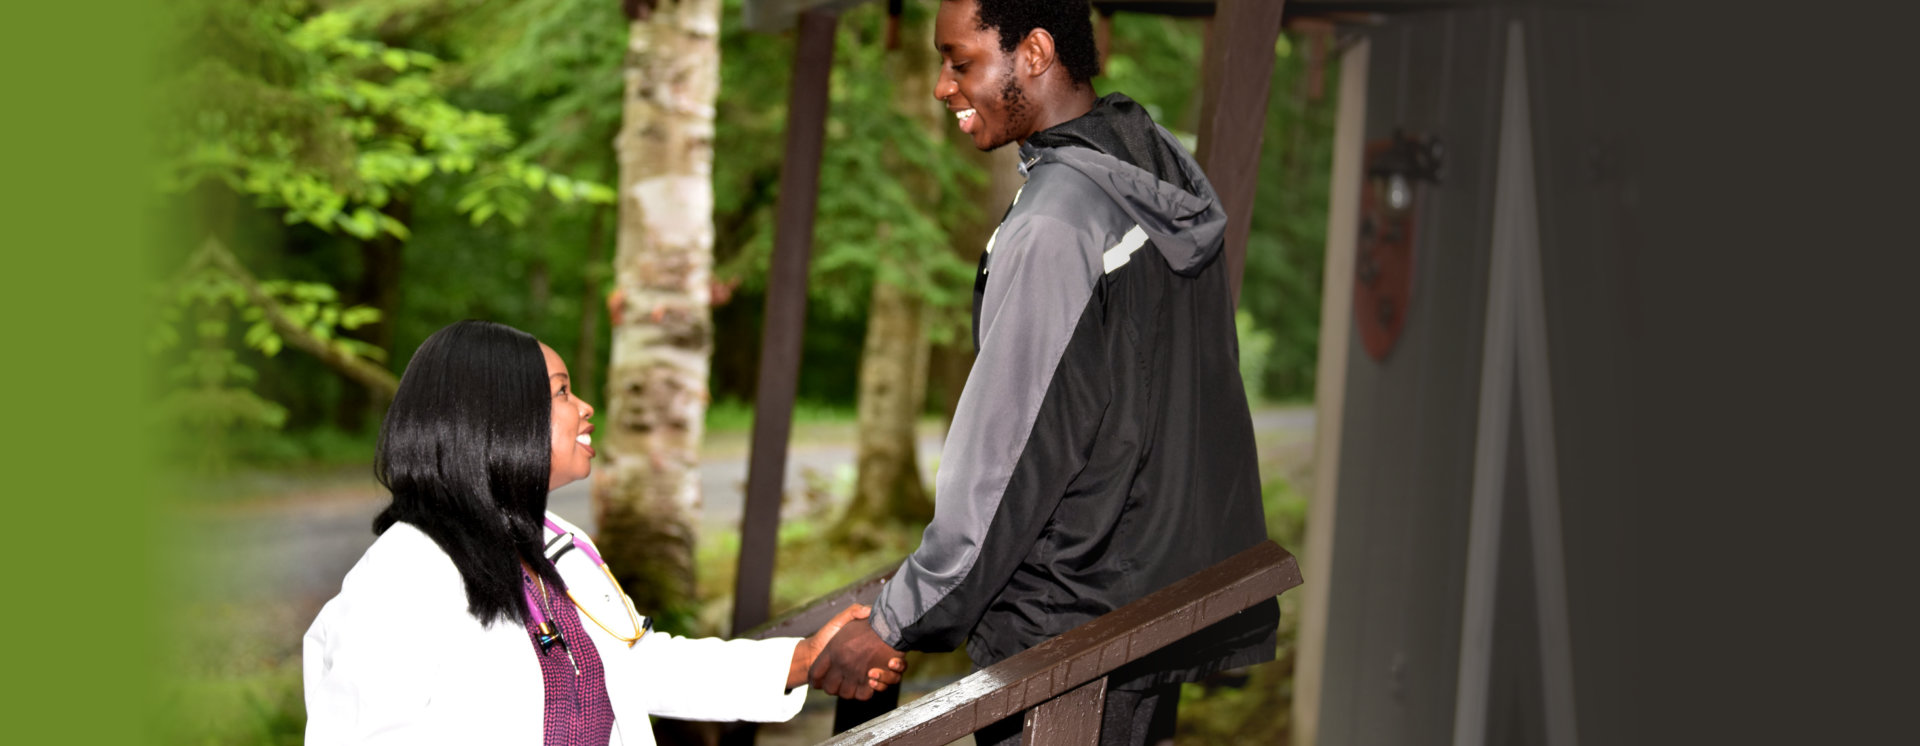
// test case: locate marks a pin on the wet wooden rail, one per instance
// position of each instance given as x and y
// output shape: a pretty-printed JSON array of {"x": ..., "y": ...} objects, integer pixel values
[
  {"x": 1059, "y": 684},
  {"x": 807, "y": 619}
]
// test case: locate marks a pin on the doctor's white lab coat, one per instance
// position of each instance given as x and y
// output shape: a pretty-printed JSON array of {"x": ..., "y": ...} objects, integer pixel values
[{"x": 396, "y": 658}]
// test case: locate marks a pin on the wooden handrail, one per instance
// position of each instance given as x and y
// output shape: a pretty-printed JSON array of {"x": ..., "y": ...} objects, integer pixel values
[
  {"x": 1060, "y": 683},
  {"x": 807, "y": 619},
  {"x": 1071, "y": 669}
]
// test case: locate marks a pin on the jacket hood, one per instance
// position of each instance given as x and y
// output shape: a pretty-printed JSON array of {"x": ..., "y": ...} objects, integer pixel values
[{"x": 1145, "y": 171}]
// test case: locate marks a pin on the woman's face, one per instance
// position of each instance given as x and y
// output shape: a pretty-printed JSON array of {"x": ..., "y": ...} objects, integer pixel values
[{"x": 572, "y": 434}]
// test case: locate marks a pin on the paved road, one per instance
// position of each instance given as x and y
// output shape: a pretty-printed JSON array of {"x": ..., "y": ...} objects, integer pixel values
[{"x": 296, "y": 550}]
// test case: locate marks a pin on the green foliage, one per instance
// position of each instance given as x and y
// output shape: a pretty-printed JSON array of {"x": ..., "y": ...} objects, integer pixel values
[
  {"x": 349, "y": 124},
  {"x": 1286, "y": 511},
  {"x": 1286, "y": 248},
  {"x": 256, "y": 708},
  {"x": 552, "y": 70},
  {"x": 233, "y": 667},
  {"x": 305, "y": 450},
  {"x": 1256, "y": 347},
  {"x": 805, "y": 567},
  {"x": 1155, "y": 60},
  {"x": 209, "y": 393},
  {"x": 337, "y": 126},
  {"x": 562, "y": 59},
  {"x": 732, "y": 415},
  {"x": 874, "y": 220}
]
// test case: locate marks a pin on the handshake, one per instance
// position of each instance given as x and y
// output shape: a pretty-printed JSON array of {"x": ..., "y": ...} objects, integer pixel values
[{"x": 845, "y": 658}]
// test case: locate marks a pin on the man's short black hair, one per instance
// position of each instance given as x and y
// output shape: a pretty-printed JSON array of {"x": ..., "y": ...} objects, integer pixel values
[{"x": 1069, "y": 21}]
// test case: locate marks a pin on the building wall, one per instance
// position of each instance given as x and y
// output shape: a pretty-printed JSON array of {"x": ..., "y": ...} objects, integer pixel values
[{"x": 1398, "y": 582}]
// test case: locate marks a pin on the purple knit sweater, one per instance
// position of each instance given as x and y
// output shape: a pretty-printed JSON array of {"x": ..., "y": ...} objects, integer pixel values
[{"x": 578, "y": 712}]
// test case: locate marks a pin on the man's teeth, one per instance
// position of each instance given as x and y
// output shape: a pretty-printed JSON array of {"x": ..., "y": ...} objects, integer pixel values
[
  {"x": 963, "y": 114},
  {"x": 584, "y": 439}
]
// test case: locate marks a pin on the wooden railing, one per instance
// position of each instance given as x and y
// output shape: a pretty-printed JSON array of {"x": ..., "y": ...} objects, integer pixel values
[{"x": 1060, "y": 684}]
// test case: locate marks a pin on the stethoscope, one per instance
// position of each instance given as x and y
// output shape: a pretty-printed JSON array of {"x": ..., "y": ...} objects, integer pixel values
[{"x": 548, "y": 635}]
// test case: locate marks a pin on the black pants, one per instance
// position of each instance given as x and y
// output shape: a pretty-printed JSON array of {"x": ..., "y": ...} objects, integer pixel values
[{"x": 1129, "y": 718}]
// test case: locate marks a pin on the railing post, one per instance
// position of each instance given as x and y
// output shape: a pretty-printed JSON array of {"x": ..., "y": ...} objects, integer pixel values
[
  {"x": 786, "y": 313},
  {"x": 807, "y": 104},
  {"x": 851, "y": 713},
  {"x": 1071, "y": 719}
]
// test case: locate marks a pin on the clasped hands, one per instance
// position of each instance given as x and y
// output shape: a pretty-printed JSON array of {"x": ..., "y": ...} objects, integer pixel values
[{"x": 833, "y": 658}]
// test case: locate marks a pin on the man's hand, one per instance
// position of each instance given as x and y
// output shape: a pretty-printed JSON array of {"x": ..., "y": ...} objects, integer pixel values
[
  {"x": 806, "y": 653},
  {"x": 855, "y": 651}
]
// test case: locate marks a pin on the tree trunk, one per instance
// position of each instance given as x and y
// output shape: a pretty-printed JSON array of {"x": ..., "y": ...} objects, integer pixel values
[
  {"x": 647, "y": 489},
  {"x": 539, "y": 286},
  {"x": 888, "y": 489},
  {"x": 379, "y": 287},
  {"x": 586, "y": 360}
]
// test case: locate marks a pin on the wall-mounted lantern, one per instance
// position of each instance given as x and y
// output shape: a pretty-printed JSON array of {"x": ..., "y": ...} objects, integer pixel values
[{"x": 1383, "y": 268}]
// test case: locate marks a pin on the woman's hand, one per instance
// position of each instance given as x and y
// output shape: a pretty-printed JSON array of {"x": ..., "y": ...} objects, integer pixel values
[{"x": 804, "y": 653}]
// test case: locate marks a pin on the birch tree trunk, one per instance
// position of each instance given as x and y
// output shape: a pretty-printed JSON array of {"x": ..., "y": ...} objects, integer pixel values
[{"x": 646, "y": 490}]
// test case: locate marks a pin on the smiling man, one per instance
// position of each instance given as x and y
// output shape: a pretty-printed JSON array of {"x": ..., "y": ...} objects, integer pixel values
[{"x": 1102, "y": 448}]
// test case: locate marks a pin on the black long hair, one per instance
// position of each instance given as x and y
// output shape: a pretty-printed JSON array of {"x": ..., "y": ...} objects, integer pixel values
[{"x": 466, "y": 451}]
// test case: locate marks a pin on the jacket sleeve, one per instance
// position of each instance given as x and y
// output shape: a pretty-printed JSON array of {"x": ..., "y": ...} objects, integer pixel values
[
  {"x": 1018, "y": 435},
  {"x": 714, "y": 679}
]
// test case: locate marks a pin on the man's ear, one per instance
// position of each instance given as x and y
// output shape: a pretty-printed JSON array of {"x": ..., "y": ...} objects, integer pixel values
[{"x": 1037, "y": 51}]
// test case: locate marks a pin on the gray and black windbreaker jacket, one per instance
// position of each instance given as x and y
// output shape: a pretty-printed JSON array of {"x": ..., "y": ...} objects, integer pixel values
[{"x": 1102, "y": 448}]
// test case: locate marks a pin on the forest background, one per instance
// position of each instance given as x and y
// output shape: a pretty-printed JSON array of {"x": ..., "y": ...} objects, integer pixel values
[{"x": 340, "y": 178}]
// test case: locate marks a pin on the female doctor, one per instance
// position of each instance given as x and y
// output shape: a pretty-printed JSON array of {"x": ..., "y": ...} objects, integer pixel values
[{"x": 478, "y": 617}]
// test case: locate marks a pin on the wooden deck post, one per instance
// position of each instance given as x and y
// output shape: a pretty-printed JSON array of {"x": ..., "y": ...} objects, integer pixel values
[
  {"x": 1233, "y": 113},
  {"x": 786, "y": 316},
  {"x": 1071, "y": 719},
  {"x": 783, "y": 330}
]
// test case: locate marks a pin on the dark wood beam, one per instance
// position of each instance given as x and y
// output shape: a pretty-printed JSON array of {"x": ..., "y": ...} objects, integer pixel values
[
  {"x": 1233, "y": 113},
  {"x": 785, "y": 320}
]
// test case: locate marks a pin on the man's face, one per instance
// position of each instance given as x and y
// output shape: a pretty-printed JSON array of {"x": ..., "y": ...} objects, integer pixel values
[{"x": 980, "y": 84}]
